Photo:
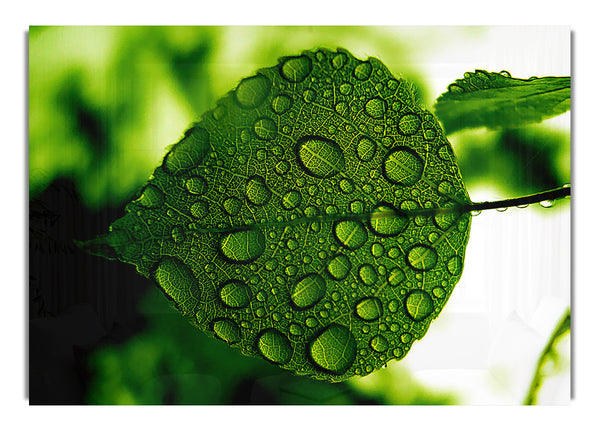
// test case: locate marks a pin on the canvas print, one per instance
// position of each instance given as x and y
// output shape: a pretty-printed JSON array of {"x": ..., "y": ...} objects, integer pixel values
[{"x": 299, "y": 215}]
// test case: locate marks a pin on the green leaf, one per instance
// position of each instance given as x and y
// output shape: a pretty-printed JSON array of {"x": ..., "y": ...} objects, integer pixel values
[
  {"x": 283, "y": 221},
  {"x": 496, "y": 100}
]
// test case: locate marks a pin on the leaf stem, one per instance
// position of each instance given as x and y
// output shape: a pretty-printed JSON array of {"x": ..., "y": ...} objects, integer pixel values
[{"x": 548, "y": 195}]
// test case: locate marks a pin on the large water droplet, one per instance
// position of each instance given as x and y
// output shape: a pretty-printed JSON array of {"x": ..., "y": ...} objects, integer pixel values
[
  {"x": 243, "y": 246},
  {"x": 409, "y": 124},
  {"x": 227, "y": 330},
  {"x": 363, "y": 70},
  {"x": 152, "y": 197},
  {"x": 320, "y": 157},
  {"x": 235, "y": 294},
  {"x": 367, "y": 274},
  {"x": 265, "y": 129},
  {"x": 369, "y": 308},
  {"x": 296, "y": 69},
  {"x": 403, "y": 166},
  {"x": 379, "y": 343},
  {"x": 386, "y": 221},
  {"x": 376, "y": 107},
  {"x": 178, "y": 282},
  {"x": 334, "y": 349},
  {"x": 421, "y": 257},
  {"x": 274, "y": 346},
  {"x": 419, "y": 305},
  {"x": 350, "y": 233},
  {"x": 188, "y": 152},
  {"x": 308, "y": 291},
  {"x": 251, "y": 92},
  {"x": 257, "y": 191},
  {"x": 196, "y": 185},
  {"x": 281, "y": 103},
  {"x": 339, "y": 266}
]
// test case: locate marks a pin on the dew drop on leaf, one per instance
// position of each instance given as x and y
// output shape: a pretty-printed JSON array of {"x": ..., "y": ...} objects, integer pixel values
[
  {"x": 275, "y": 346},
  {"x": 334, "y": 350},
  {"x": 369, "y": 308}
]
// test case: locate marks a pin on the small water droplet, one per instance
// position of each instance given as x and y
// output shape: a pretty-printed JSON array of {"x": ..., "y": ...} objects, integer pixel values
[
  {"x": 403, "y": 166},
  {"x": 251, "y": 92},
  {"x": 296, "y": 69},
  {"x": 547, "y": 203},
  {"x": 235, "y": 294},
  {"x": 227, "y": 330},
  {"x": 350, "y": 233},
  {"x": 419, "y": 305}
]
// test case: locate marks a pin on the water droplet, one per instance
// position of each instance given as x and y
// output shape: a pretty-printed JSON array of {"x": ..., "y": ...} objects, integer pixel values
[
  {"x": 396, "y": 276},
  {"x": 386, "y": 221},
  {"x": 274, "y": 346},
  {"x": 232, "y": 205},
  {"x": 376, "y": 107},
  {"x": 320, "y": 157},
  {"x": 455, "y": 265},
  {"x": 227, "y": 330},
  {"x": 265, "y": 129},
  {"x": 365, "y": 149},
  {"x": 409, "y": 124},
  {"x": 291, "y": 270},
  {"x": 151, "y": 197},
  {"x": 339, "y": 266},
  {"x": 188, "y": 152},
  {"x": 199, "y": 209},
  {"x": 429, "y": 134},
  {"x": 251, "y": 92},
  {"x": 339, "y": 60},
  {"x": 296, "y": 69},
  {"x": 281, "y": 103},
  {"x": 334, "y": 349},
  {"x": 350, "y": 233},
  {"x": 291, "y": 199},
  {"x": 505, "y": 73},
  {"x": 369, "y": 308},
  {"x": 393, "y": 306},
  {"x": 377, "y": 249},
  {"x": 419, "y": 305},
  {"x": 403, "y": 166},
  {"x": 363, "y": 70},
  {"x": 439, "y": 292},
  {"x": 501, "y": 210},
  {"x": 196, "y": 185},
  {"x": 178, "y": 282},
  {"x": 346, "y": 89},
  {"x": 311, "y": 322},
  {"x": 421, "y": 257},
  {"x": 547, "y": 203},
  {"x": 235, "y": 294},
  {"x": 367, "y": 274},
  {"x": 296, "y": 329},
  {"x": 346, "y": 186},
  {"x": 406, "y": 337},
  {"x": 379, "y": 343},
  {"x": 309, "y": 290},
  {"x": 257, "y": 191},
  {"x": 243, "y": 246}
]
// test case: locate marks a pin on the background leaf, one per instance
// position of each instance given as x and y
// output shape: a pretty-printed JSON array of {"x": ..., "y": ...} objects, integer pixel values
[
  {"x": 496, "y": 100},
  {"x": 275, "y": 223}
]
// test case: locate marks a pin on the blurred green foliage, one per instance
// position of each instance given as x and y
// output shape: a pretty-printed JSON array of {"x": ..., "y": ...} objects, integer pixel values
[{"x": 106, "y": 102}]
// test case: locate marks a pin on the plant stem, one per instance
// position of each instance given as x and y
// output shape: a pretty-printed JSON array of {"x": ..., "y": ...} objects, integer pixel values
[
  {"x": 548, "y": 195},
  {"x": 547, "y": 354}
]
